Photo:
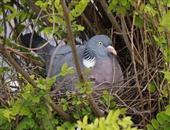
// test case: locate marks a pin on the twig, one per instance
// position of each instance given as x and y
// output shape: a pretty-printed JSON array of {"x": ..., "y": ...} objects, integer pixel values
[
  {"x": 88, "y": 23},
  {"x": 25, "y": 57},
  {"x": 52, "y": 59},
  {"x": 4, "y": 23},
  {"x": 134, "y": 64},
  {"x": 92, "y": 103},
  {"x": 110, "y": 16}
]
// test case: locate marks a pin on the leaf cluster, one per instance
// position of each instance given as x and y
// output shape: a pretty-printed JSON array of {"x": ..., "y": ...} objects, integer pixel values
[{"x": 162, "y": 121}]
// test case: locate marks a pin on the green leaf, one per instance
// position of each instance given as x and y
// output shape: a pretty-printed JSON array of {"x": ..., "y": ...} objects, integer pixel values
[
  {"x": 139, "y": 22},
  {"x": 166, "y": 53},
  {"x": 112, "y": 4},
  {"x": 167, "y": 75},
  {"x": 150, "y": 10},
  {"x": 160, "y": 40},
  {"x": 166, "y": 127},
  {"x": 78, "y": 27},
  {"x": 20, "y": 108},
  {"x": 151, "y": 87},
  {"x": 167, "y": 111},
  {"x": 161, "y": 117},
  {"x": 111, "y": 122},
  {"x": 149, "y": 127},
  {"x": 45, "y": 84},
  {"x": 165, "y": 21},
  {"x": 1, "y": 30},
  {"x": 41, "y": 4},
  {"x": 50, "y": 81},
  {"x": 23, "y": 15},
  {"x": 7, "y": 113},
  {"x": 26, "y": 123},
  {"x": 85, "y": 119},
  {"x": 4, "y": 69},
  {"x": 66, "y": 70},
  {"x": 6, "y": 1},
  {"x": 79, "y": 9},
  {"x": 125, "y": 122},
  {"x": 155, "y": 123},
  {"x": 48, "y": 30}
]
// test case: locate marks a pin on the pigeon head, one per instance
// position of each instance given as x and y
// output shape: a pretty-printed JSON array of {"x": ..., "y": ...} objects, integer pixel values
[{"x": 97, "y": 47}]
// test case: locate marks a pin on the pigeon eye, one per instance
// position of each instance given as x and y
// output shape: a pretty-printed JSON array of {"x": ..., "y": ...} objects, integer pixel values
[{"x": 100, "y": 43}]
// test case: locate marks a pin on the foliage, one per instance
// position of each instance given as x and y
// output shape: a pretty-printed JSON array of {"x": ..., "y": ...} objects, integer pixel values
[
  {"x": 65, "y": 70},
  {"x": 162, "y": 120},
  {"x": 114, "y": 121},
  {"x": 120, "y": 7},
  {"x": 29, "y": 110},
  {"x": 56, "y": 18}
]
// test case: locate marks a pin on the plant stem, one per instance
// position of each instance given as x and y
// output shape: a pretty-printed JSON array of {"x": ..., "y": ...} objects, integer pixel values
[{"x": 92, "y": 102}]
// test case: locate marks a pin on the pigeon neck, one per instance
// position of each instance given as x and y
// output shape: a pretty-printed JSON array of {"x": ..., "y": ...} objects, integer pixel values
[
  {"x": 89, "y": 58},
  {"x": 88, "y": 54}
]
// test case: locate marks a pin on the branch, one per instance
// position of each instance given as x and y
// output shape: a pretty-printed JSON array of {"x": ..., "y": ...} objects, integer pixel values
[
  {"x": 137, "y": 57},
  {"x": 5, "y": 53},
  {"x": 25, "y": 57},
  {"x": 4, "y": 22},
  {"x": 110, "y": 16},
  {"x": 134, "y": 65},
  {"x": 88, "y": 23},
  {"x": 92, "y": 102}
]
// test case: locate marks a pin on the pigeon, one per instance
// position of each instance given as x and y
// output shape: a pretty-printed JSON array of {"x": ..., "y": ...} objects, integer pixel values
[{"x": 96, "y": 55}]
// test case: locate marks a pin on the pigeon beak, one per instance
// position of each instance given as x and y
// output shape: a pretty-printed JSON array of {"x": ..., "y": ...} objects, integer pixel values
[{"x": 111, "y": 50}]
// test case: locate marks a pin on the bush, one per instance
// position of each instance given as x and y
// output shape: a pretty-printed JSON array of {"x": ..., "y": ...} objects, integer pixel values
[{"x": 162, "y": 121}]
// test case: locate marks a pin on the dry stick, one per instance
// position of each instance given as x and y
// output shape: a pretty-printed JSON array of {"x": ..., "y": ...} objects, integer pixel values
[
  {"x": 110, "y": 15},
  {"x": 25, "y": 57},
  {"x": 118, "y": 29},
  {"x": 168, "y": 39},
  {"x": 52, "y": 58},
  {"x": 4, "y": 23},
  {"x": 134, "y": 64},
  {"x": 55, "y": 107},
  {"x": 92, "y": 103},
  {"x": 88, "y": 23},
  {"x": 137, "y": 57},
  {"x": 143, "y": 39}
]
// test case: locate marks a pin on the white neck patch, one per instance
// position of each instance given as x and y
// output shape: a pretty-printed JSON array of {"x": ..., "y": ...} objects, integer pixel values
[{"x": 88, "y": 63}]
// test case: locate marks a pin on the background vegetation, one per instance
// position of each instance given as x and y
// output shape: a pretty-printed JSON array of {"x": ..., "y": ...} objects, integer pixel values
[{"x": 140, "y": 31}]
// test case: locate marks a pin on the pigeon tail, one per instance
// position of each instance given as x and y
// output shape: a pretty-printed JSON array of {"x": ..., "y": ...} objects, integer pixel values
[{"x": 34, "y": 41}]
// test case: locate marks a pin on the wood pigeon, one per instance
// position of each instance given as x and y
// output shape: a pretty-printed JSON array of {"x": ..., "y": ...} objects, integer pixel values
[{"x": 96, "y": 55}]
